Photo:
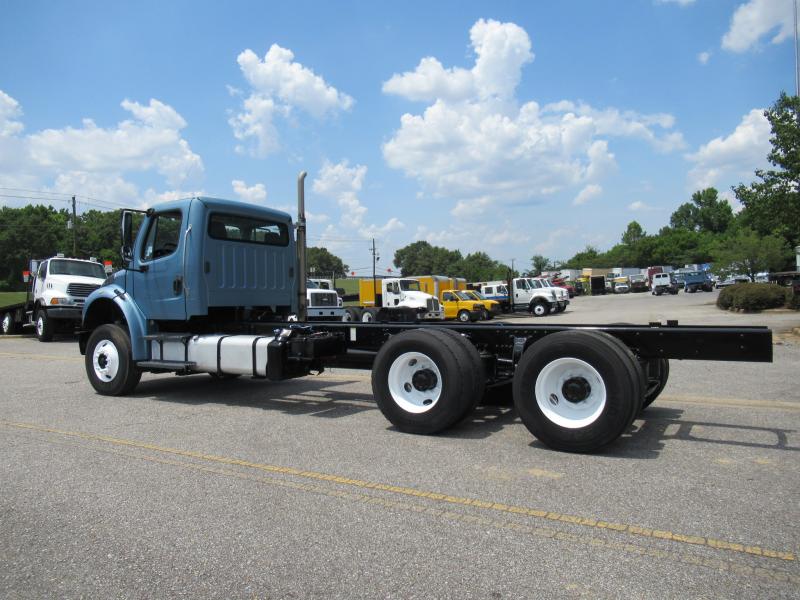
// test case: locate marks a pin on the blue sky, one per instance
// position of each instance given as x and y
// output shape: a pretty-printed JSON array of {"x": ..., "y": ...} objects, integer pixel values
[{"x": 517, "y": 128}]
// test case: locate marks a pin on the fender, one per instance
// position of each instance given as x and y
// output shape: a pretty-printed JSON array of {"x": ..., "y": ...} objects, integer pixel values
[{"x": 111, "y": 303}]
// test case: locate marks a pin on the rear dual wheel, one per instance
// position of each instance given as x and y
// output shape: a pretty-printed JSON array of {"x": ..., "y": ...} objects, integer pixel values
[
  {"x": 578, "y": 391},
  {"x": 426, "y": 380}
]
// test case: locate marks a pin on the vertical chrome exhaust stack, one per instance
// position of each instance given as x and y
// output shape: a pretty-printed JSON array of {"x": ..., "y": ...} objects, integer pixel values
[{"x": 302, "y": 304}]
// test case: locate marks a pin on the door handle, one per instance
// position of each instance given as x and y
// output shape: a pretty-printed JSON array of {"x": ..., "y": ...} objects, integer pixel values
[{"x": 177, "y": 285}]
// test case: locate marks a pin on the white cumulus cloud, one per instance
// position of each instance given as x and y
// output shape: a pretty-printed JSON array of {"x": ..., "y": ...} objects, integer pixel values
[
  {"x": 10, "y": 111},
  {"x": 343, "y": 183},
  {"x": 728, "y": 159},
  {"x": 279, "y": 85},
  {"x": 93, "y": 161},
  {"x": 476, "y": 142},
  {"x": 757, "y": 18},
  {"x": 256, "y": 194},
  {"x": 590, "y": 191}
]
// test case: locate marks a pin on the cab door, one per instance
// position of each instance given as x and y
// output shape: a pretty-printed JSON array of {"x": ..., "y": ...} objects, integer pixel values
[
  {"x": 450, "y": 305},
  {"x": 391, "y": 294},
  {"x": 158, "y": 281}
]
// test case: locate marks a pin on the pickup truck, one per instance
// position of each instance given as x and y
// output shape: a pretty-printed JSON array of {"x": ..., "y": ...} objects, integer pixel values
[{"x": 186, "y": 301}]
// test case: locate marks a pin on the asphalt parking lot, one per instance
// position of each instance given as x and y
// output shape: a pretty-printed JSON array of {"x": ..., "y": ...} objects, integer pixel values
[{"x": 193, "y": 487}]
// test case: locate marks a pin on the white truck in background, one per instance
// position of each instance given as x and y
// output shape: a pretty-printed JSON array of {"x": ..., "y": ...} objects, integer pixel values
[{"x": 56, "y": 294}]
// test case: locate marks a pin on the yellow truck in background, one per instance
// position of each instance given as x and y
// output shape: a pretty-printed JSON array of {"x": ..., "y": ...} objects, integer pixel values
[
  {"x": 491, "y": 308},
  {"x": 455, "y": 302}
]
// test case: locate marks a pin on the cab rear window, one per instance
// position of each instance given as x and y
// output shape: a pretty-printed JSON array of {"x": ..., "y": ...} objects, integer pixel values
[{"x": 251, "y": 230}]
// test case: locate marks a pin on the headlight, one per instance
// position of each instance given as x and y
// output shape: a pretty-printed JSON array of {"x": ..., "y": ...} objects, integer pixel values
[{"x": 60, "y": 301}]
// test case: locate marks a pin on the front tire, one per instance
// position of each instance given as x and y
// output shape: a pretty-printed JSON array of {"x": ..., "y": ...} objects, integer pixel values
[
  {"x": 370, "y": 315},
  {"x": 575, "y": 392},
  {"x": 464, "y": 316},
  {"x": 44, "y": 327},
  {"x": 109, "y": 361},
  {"x": 540, "y": 309}
]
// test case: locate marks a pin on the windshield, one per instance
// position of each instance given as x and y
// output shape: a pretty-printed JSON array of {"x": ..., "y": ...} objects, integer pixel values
[
  {"x": 409, "y": 285},
  {"x": 477, "y": 295},
  {"x": 463, "y": 295},
  {"x": 311, "y": 285},
  {"x": 77, "y": 267},
  {"x": 546, "y": 283},
  {"x": 535, "y": 284}
]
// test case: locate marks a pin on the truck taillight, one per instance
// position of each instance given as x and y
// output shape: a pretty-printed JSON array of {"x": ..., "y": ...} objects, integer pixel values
[{"x": 26, "y": 276}]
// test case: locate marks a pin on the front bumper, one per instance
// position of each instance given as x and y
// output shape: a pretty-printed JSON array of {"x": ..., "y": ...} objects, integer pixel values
[
  {"x": 64, "y": 313},
  {"x": 325, "y": 314}
]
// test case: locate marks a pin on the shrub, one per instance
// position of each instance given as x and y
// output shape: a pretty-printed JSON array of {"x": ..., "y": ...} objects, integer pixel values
[
  {"x": 752, "y": 297},
  {"x": 792, "y": 299},
  {"x": 725, "y": 298}
]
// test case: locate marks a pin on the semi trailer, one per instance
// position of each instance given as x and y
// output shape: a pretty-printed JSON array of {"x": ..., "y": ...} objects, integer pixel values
[{"x": 189, "y": 300}]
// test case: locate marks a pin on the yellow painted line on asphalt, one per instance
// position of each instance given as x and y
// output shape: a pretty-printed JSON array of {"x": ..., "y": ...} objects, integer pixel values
[
  {"x": 730, "y": 402},
  {"x": 489, "y": 505},
  {"x": 39, "y": 356},
  {"x": 725, "y": 564}
]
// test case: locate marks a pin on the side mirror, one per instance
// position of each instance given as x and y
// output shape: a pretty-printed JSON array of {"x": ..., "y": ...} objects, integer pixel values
[
  {"x": 34, "y": 267},
  {"x": 127, "y": 235}
]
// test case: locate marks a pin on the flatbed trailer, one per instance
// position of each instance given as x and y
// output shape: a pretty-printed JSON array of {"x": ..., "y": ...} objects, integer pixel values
[{"x": 577, "y": 388}]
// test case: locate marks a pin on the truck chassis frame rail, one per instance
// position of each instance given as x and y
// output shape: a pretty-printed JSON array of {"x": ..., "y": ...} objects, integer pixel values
[{"x": 576, "y": 387}]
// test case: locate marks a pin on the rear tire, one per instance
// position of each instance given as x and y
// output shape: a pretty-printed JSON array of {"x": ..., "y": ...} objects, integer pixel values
[
  {"x": 575, "y": 392},
  {"x": 369, "y": 315},
  {"x": 657, "y": 370},
  {"x": 351, "y": 314},
  {"x": 44, "y": 327},
  {"x": 421, "y": 383},
  {"x": 109, "y": 361},
  {"x": 9, "y": 324}
]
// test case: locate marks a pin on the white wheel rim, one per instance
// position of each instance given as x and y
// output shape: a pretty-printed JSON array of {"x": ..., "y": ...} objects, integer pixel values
[
  {"x": 105, "y": 360},
  {"x": 367, "y": 317},
  {"x": 347, "y": 317},
  {"x": 40, "y": 326},
  {"x": 538, "y": 309},
  {"x": 6, "y": 323},
  {"x": 549, "y": 390},
  {"x": 401, "y": 385}
]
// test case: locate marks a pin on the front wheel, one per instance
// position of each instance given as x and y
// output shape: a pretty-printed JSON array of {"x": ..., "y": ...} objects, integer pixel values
[
  {"x": 109, "y": 361},
  {"x": 464, "y": 316},
  {"x": 44, "y": 327},
  {"x": 541, "y": 309}
]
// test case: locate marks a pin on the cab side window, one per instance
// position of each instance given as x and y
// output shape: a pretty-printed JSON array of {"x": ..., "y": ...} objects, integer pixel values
[
  {"x": 163, "y": 236},
  {"x": 43, "y": 270},
  {"x": 448, "y": 297}
]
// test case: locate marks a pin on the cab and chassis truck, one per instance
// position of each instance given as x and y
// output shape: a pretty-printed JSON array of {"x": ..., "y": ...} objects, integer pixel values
[{"x": 190, "y": 300}]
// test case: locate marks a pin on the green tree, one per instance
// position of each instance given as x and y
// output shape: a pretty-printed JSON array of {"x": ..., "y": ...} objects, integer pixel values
[
  {"x": 585, "y": 258},
  {"x": 33, "y": 231},
  {"x": 633, "y": 234},
  {"x": 479, "y": 266},
  {"x": 706, "y": 212},
  {"x": 747, "y": 252},
  {"x": 421, "y": 258},
  {"x": 772, "y": 205},
  {"x": 322, "y": 263},
  {"x": 539, "y": 263}
]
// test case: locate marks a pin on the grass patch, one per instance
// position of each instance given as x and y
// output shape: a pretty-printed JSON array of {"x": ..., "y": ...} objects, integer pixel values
[{"x": 9, "y": 298}]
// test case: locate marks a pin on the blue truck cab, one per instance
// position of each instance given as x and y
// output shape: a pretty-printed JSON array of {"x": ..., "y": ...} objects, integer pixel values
[{"x": 195, "y": 263}]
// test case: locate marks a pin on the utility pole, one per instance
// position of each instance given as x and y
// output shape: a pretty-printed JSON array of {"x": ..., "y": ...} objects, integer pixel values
[
  {"x": 796, "y": 54},
  {"x": 374, "y": 278},
  {"x": 74, "y": 230}
]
